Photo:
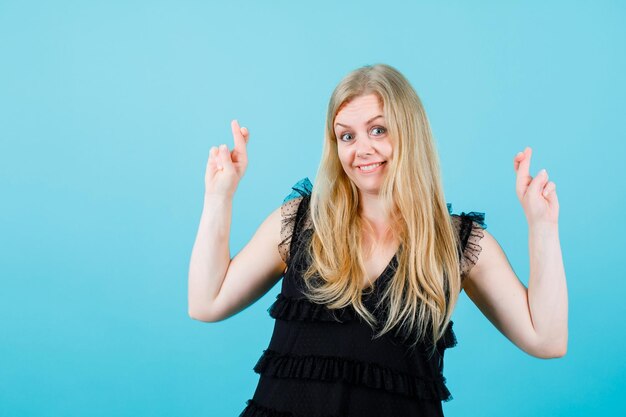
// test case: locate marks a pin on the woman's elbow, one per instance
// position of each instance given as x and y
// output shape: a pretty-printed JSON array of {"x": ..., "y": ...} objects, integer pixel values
[
  {"x": 561, "y": 350},
  {"x": 552, "y": 351},
  {"x": 202, "y": 316}
]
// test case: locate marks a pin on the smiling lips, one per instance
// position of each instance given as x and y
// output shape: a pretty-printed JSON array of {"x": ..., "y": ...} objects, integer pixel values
[{"x": 370, "y": 167}]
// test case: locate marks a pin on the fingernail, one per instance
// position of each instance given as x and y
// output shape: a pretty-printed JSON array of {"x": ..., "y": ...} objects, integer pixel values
[
  {"x": 223, "y": 147},
  {"x": 543, "y": 172}
]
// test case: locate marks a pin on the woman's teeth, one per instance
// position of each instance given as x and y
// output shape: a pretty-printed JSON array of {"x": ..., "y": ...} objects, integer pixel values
[{"x": 370, "y": 167}]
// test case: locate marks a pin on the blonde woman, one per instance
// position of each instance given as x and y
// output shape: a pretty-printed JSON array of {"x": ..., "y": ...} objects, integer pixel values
[{"x": 373, "y": 261}]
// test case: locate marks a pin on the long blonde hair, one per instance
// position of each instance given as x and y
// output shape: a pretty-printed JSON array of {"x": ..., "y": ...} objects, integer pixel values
[{"x": 422, "y": 292}]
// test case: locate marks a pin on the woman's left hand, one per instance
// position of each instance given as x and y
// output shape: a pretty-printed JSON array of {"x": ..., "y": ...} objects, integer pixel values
[{"x": 537, "y": 195}]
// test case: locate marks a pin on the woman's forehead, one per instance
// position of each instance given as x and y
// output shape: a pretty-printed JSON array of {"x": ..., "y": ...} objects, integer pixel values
[{"x": 362, "y": 108}]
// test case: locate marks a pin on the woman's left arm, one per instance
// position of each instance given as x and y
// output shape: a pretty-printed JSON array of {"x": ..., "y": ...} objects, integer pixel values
[{"x": 534, "y": 319}]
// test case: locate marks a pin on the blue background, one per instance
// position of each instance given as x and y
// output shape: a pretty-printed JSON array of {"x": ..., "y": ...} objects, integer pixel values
[{"x": 107, "y": 114}]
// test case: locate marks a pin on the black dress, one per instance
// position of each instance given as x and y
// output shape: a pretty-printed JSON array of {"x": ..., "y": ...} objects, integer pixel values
[{"x": 324, "y": 363}]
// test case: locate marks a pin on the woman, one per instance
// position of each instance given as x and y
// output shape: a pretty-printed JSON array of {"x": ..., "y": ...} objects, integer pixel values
[{"x": 373, "y": 261}]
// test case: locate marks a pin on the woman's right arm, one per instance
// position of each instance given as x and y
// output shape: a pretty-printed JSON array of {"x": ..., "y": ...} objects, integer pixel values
[{"x": 219, "y": 286}]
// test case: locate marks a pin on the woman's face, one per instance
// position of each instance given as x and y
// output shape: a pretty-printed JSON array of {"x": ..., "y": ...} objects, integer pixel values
[{"x": 362, "y": 140}]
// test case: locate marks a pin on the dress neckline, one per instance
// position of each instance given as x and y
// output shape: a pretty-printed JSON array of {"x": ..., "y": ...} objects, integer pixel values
[{"x": 375, "y": 285}]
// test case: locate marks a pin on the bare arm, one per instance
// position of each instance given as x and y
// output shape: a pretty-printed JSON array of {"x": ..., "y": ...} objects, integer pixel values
[
  {"x": 547, "y": 287},
  {"x": 210, "y": 256},
  {"x": 218, "y": 285},
  {"x": 533, "y": 318}
]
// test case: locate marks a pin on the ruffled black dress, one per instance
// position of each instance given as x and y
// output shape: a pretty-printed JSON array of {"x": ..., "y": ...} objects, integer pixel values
[{"x": 324, "y": 363}]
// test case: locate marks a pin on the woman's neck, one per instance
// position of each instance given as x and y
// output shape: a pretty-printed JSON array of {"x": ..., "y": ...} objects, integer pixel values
[{"x": 377, "y": 230}]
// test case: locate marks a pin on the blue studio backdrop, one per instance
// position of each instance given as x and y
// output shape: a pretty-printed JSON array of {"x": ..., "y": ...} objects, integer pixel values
[{"x": 107, "y": 114}]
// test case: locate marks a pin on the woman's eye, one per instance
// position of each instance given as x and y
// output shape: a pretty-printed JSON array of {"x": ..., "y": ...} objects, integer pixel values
[
  {"x": 382, "y": 129},
  {"x": 344, "y": 135}
]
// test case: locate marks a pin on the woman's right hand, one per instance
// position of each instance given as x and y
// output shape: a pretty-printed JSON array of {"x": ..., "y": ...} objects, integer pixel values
[{"x": 225, "y": 168}]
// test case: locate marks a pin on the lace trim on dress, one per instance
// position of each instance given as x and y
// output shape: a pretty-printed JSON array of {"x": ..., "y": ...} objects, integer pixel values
[
  {"x": 472, "y": 248},
  {"x": 289, "y": 211},
  {"x": 254, "y": 409},
  {"x": 333, "y": 368},
  {"x": 470, "y": 227}
]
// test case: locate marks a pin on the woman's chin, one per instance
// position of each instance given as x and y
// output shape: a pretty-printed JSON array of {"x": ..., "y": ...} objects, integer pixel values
[{"x": 368, "y": 188}]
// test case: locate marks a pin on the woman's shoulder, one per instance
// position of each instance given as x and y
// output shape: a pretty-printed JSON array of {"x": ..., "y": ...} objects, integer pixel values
[
  {"x": 300, "y": 189},
  {"x": 295, "y": 206},
  {"x": 466, "y": 222},
  {"x": 469, "y": 227},
  {"x": 294, "y": 214}
]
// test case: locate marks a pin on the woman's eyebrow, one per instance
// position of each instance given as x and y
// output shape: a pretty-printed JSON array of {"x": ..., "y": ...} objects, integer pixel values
[{"x": 368, "y": 122}]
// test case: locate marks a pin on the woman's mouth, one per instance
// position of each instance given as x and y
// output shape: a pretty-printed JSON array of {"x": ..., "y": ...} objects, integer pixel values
[{"x": 366, "y": 169}]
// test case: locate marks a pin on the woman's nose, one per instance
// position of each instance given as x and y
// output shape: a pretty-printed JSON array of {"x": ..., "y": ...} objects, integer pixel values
[{"x": 364, "y": 147}]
